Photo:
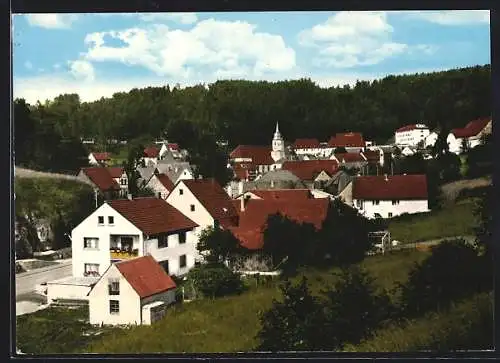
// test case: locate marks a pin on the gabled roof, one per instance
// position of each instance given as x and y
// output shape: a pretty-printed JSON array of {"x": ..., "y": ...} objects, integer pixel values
[
  {"x": 145, "y": 276},
  {"x": 260, "y": 155},
  {"x": 350, "y": 157},
  {"x": 472, "y": 128},
  {"x": 402, "y": 187},
  {"x": 152, "y": 215},
  {"x": 151, "y": 152},
  {"x": 101, "y": 156},
  {"x": 412, "y": 127},
  {"x": 306, "y": 144},
  {"x": 283, "y": 194},
  {"x": 165, "y": 181},
  {"x": 349, "y": 139},
  {"x": 309, "y": 169},
  {"x": 215, "y": 200},
  {"x": 115, "y": 171},
  {"x": 253, "y": 219},
  {"x": 102, "y": 177}
]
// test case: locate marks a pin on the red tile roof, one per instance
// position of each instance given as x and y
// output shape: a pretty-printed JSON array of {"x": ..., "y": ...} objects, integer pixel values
[
  {"x": 472, "y": 128},
  {"x": 101, "y": 156},
  {"x": 145, "y": 276},
  {"x": 372, "y": 156},
  {"x": 215, "y": 200},
  {"x": 151, "y": 152},
  {"x": 254, "y": 218},
  {"x": 102, "y": 178},
  {"x": 350, "y": 157},
  {"x": 260, "y": 155},
  {"x": 306, "y": 144},
  {"x": 173, "y": 146},
  {"x": 115, "y": 171},
  {"x": 349, "y": 139},
  {"x": 152, "y": 215},
  {"x": 402, "y": 187},
  {"x": 165, "y": 181},
  {"x": 283, "y": 194},
  {"x": 309, "y": 169},
  {"x": 241, "y": 170},
  {"x": 411, "y": 127}
]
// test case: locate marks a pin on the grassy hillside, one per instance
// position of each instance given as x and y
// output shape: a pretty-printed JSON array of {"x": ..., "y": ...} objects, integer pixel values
[{"x": 455, "y": 220}]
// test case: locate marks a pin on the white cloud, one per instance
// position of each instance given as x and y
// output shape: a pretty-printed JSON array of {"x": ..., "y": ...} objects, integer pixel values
[
  {"x": 453, "y": 17},
  {"x": 349, "y": 39},
  {"x": 28, "y": 65},
  {"x": 52, "y": 21},
  {"x": 82, "y": 70},
  {"x": 221, "y": 47}
]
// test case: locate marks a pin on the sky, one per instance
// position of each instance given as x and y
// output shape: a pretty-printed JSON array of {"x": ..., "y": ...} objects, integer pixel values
[{"x": 96, "y": 55}]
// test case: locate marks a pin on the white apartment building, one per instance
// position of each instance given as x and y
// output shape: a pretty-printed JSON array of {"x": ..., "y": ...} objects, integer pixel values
[{"x": 411, "y": 135}]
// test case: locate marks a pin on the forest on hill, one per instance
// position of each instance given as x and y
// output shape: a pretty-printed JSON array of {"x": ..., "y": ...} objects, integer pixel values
[{"x": 245, "y": 112}]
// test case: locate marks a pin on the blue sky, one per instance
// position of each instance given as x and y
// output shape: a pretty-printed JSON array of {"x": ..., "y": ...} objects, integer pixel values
[{"x": 96, "y": 55}]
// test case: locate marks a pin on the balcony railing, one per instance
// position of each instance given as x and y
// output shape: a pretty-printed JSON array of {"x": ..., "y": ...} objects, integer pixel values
[{"x": 123, "y": 254}]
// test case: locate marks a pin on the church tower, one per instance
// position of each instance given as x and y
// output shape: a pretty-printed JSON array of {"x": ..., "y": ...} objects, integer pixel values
[{"x": 278, "y": 150}]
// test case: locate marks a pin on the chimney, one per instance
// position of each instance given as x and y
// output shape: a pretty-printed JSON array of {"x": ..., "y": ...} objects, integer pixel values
[
  {"x": 129, "y": 196},
  {"x": 385, "y": 177}
]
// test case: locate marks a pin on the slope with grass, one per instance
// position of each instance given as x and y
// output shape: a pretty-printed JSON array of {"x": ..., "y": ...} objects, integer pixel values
[
  {"x": 450, "y": 221},
  {"x": 230, "y": 324},
  {"x": 468, "y": 325}
]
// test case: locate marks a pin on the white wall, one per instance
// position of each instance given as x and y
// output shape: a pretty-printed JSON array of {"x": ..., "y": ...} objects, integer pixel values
[
  {"x": 130, "y": 304},
  {"x": 90, "y": 228},
  {"x": 150, "y": 161},
  {"x": 173, "y": 252},
  {"x": 183, "y": 204},
  {"x": 157, "y": 187},
  {"x": 411, "y": 137},
  {"x": 454, "y": 143},
  {"x": 65, "y": 291},
  {"x": 185, "y": 175},
  {"x": 431, "y": 139},
  {"x": 385, "y": 207},
  {"x": 346, "y": 194},
  {"x": 92, "y": 160},
  {"x": 167, "y": 297}
]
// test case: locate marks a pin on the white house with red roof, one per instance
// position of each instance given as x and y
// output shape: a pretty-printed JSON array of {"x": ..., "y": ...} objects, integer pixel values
[
  {"x": 170, "y": 147},
  {"x": 389, "y": 196},
  {"x": 309, "y": 146},
  {"x": 101, "y": 159},
  {"x": 126, "y": 228},
  {"x": 204, "y": 202},
  {"x": 111, "y": 182},
  {"x": 472, "y": 133},
  {"x": 151, "y": 156},
  {"x": 411, "y": 135},
  {"x": 353, "y": 142},
  {"x": 160, "y": 184},
  {"x": 132, "y": 292}
]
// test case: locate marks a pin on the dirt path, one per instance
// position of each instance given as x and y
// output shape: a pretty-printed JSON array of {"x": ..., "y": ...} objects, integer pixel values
[
  {"x": 453, "y": 189},
  {"x": 28, "y": 173}
]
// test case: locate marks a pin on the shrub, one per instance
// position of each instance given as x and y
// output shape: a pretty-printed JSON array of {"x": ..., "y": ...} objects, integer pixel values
[
  {"x": 452, "y": 271},
  {"x": 215, "y": 280}
]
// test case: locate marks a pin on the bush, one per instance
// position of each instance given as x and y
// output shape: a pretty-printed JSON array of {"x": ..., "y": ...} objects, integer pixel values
[
  {"x": 452, "y": 271},
  {"x": 468, "y": 325},
  {"x": 215, "y": 280}
]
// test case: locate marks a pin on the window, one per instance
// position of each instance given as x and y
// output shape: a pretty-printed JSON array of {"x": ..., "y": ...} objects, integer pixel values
[
  {"x": 159, "y": 195},
  {"x": 111, "y": 220},
  {"x": 100, "y": 220},
  {"x": 181, "y": 191},
  {"x": 162, "y": 241},
  {"x": 395, "y": 202},
  {"x": 182, "y": 261},
  {"x": 114, "y": 287},
  {"x": 114, "y": 306},
  {"x": 123, "y": 181},
  {"x": 91, "y": 269},
  {"x": 375, "y": 202},
  {"x": 164, "y": 264},
  {"x": 390, "y": 215},
  {"x": 90, "y": 242},
  {"x": 192, "y": 207},
  {"x": 182, "y": 238}
]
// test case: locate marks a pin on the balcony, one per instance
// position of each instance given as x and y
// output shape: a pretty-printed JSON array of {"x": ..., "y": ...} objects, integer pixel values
[{"x": 121, "y": 254}]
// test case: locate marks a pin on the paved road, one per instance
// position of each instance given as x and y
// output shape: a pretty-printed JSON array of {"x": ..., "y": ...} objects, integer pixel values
[{"x": 26, "y": 281}]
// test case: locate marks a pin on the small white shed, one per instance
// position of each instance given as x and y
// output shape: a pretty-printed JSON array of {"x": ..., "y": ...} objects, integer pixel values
[{"x": 70, "y": 288}]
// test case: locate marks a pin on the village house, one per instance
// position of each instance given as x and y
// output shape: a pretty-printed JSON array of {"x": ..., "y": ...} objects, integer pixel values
[
  {"x": 308, "y": 147},
  {"x": 352, "y": 160},
  {"x": 205, "y": 202},
  {"x": 127, "y": 228},
  {"x": 160, "y": 184},
  {"x": 99, "y": 159},
  {"x": 431, "y": 139},
  {"x": 110, "y": 182},
  {"x": 151, "y": 155},
  {"x": 411, "y": 135},
  {"x": 175, "y": 170},
  {"x": 471, "y": 134},
  {"x": 168, "y": 148},
  {"x": 353, "y": 142},
  {"x": 388, "y": 196},
  {"x": 132, "y": 292},
  {"x": 276, "y": 194},
  {"x": 313, "y": 173}
]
